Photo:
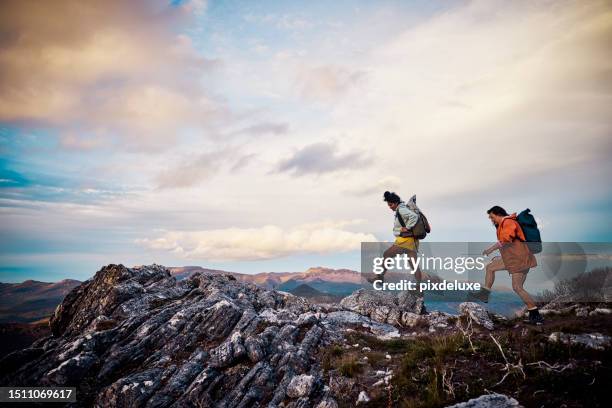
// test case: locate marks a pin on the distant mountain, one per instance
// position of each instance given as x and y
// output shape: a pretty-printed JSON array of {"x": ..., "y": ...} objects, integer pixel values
[
  {"x": 323, "y": 286},
  {"x": 337, "y": 281},
  {"x": 314, "y": 295},
  {"x": 305, "y": 291},
  {"x": 32, "y": 300}
]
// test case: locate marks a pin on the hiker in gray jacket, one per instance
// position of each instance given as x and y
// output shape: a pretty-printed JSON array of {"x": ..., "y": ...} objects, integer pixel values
[
  {"x": 403, "y": 244},
  {"x": 409, "y": 217}
]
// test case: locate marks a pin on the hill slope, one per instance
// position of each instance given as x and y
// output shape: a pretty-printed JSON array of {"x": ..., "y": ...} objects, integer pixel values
[{"x": 31, "y": 300}]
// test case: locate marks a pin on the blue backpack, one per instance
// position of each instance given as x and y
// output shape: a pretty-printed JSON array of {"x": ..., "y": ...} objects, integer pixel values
[{"x": 530, "y": 229}]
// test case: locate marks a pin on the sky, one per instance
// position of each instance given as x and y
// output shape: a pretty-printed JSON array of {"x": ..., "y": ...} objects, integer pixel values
[{"x": 260, "y": 136}]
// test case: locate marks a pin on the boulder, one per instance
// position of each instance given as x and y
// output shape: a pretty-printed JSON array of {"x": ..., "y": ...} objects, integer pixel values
[
  {"x": 489, "y": 401},
  {"x": 383, "y": 306},
  {"x": 300, "y": 386},
  {"x": 477, "y": 314},
  {"x": 595, "y": 341}
]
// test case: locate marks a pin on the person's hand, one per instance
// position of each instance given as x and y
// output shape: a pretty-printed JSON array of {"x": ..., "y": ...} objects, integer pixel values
[
  {"x": 404, "y": 229},
  {"x": 486, "y": 252}
]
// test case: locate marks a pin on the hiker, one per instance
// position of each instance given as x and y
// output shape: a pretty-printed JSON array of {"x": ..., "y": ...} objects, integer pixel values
[
  {"x": 516, "y": 258},
  {"x": 403, "y": 244}
]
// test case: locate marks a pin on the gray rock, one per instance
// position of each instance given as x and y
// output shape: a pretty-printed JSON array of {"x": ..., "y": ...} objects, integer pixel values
[
  {"x": 477, "y": 313},
  {"x": 600, "y": 311},
  {"x": 346, "y": 318},
  {"x": 383, "y": 306},
  {"x": 436, "y": 319},
  {"x": 582, "y": 311},
  {"x": 362, "y": 398},
  {"x": 409, "y": 319},
  {"x": 595, "y": 341},
  {"x": 327, "y": 402},
  {"x": 300, "y": 386},
  {"x": 489, "y": 401}
]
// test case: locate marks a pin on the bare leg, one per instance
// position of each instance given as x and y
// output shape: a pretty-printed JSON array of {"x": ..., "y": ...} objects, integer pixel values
[
  {"x": 495, "y": 265},
  {"x": 518, "y": 279},
  {"x": 418, "y": 274},
  {"x": 391, "y": 252},
  {"x": 395, "y": 250}
]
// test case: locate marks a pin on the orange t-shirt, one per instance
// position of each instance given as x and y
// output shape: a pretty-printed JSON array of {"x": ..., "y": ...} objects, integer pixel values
[{"x": 515, "y": 253}]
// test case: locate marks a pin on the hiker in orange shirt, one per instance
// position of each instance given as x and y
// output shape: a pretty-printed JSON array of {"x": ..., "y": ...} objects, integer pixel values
[{"x": 516, "y": 258}]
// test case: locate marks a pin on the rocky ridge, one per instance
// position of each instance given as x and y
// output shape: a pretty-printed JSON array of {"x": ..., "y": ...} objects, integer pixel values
[{"x": 137, "y": 337}]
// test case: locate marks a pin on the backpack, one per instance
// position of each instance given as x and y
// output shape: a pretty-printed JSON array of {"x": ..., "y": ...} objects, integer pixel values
[
  {"x": 530, "y": 229},
  {"x": 421, "y": 228}
]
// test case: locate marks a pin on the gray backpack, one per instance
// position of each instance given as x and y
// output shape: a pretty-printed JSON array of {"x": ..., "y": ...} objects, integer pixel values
[{"x": 421, "y": 228}]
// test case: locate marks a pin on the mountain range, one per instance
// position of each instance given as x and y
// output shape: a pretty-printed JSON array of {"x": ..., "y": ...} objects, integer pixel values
[{"x": 335, "y": 282}]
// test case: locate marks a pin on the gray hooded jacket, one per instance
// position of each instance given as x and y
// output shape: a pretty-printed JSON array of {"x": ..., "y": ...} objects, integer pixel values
[{"x": 410, "y": 218}]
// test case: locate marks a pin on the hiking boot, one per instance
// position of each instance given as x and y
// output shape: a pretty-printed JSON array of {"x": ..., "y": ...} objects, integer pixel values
[
  {"x": 481, "y": 296},
  {"x": 535, "y": 317}
]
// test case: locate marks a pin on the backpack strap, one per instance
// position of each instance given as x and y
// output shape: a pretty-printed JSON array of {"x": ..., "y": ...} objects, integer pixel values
[
  {"x": 403, "y": 224},
  {"x": 400, "y": 219}
]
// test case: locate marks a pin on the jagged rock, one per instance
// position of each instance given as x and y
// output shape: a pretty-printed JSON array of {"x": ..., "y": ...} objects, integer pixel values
[
  {"x": 135, "y": 337},
  {"x": 489, "y": 401},
  {"x": 595, "y": 341},
  {"x": 436, "y": 320},
  {"x": 255, "y": 348},
  {"x": 477, "y": 313},
  {"x": 410, "y": 319},
  {"x": 403, "y": 310},
  {"x": 362, "y": 398},
  {"x": 383, "y": 306},
  {"x": 346, "y": 318},
  {"x": 300, "y": 386},
  {"x": 582, "y": 311},
  {"x": 327, "y": 403},
  {"x": 228, "y": 352},
  {"x": 600, "y": 311}
]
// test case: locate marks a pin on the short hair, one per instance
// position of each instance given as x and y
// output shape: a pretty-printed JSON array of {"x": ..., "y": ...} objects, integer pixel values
[
  {"x": 391, "y": 197},
  {"x": 497, "y": 210}
]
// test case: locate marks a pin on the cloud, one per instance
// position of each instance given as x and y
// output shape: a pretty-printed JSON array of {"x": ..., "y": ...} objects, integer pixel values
[
  {"x": 194, "y": 170},
  {"x": 264, "y": 128},
  {"x": 267, "y": 242},
  {"x": 389, "y": 183},
  {"x": 108, "y": 70},
  {"x": 463, "y": 88},
  {"x": 327, "y": 82},
  {"x": 319, "y": 158}
]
